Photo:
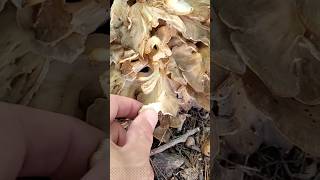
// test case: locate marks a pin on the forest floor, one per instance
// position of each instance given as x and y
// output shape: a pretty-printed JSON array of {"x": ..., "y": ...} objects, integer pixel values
[{"x": 186, "y": 160}]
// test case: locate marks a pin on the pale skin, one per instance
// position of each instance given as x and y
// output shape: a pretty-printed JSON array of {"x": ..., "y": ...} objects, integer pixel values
[
  {"x": 40, "y": 143},
  {"x": 130, "y": 150}
]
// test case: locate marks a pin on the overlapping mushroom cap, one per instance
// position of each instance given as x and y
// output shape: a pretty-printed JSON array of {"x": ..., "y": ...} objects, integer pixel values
[
  {"x": 278, "y": 42},
  {"x": 46, "y": 51},
  {"x": 160, "y": 54},
  {"x": 300, "y": 123}
]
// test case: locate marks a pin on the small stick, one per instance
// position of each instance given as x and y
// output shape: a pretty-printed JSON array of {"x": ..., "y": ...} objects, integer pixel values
[{"x": 174, "y": 142}]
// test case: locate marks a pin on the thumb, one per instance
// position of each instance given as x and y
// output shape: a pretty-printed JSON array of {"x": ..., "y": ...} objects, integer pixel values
[{"x": 140, "y": 132}]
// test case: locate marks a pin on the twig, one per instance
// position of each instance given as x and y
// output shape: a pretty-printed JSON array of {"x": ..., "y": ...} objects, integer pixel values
[
  {"x": 244, "y": 168},
  {"x": 174, "y": 142}
]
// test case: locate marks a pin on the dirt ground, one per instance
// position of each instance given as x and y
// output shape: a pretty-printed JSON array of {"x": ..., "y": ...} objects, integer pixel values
[{"x": 186, "y": 160}]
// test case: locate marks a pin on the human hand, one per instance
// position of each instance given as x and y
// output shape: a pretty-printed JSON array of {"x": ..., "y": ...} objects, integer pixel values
[
  {"x": 39, "y": 143},
  {"x": 130, "y": 150}
]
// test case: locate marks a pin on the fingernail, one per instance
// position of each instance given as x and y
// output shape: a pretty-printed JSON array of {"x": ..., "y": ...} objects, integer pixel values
[{"x": 151, "y": 116}]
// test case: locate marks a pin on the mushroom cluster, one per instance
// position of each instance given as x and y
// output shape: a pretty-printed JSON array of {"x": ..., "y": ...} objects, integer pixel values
[
  {"x": 50, "y": 55},
  {"x": 273, "y": 46},
  {"x": 159, "y": 54}
]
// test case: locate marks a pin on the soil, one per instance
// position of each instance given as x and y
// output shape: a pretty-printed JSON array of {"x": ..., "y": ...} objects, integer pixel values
[{"x": 184, "y": 161}]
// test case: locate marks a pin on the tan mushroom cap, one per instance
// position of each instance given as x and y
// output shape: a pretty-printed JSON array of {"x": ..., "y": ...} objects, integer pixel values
[
  {"x": 87, "y": 15},
  {"x": 189, "y": 61},
  {"x": 55, "y": 19},
  {"x": 298, "y": 122},
  {"x": 307, "y": 70},
  {"x": 133, "y": 24},
  {"x": 65, "y": 39},
  {"x": 22, "y": 77},
  {"x": 118, "y": 83},
  {"x": 267, "y": 30},
  {"x": 178, "y": 7},
  {"x": 200, "y": 10},
  {"x": 14, "y": 41},
  {"x": 163, "y": 92},
  {"x": 61, "y": 89},
  {"x": 223, "y": 51},
  {"x": 53, "y": 22},
  {"x": 276, "y": 44},
  {"x": 196, "y": 31},
  {"x": 21, "y": 70},
  {"x": 67, "y": 50}
]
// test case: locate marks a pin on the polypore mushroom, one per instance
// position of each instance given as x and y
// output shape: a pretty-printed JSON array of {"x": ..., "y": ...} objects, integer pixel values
[
  {"x": 61, "y": 89},
  {"x": 196, "y": 31},
  {"x": 224, "y": 54},
  {"x": 22, "y": 78},
  {"x": 67, "y": 50},
  {"x": 267, "y": 31},
  {"x": 87, "y": 15},
  {"x": 200, "y": 10},
  {"x": 21, "y": 70},
  {"x": 53, "y": 22},
  {"x": 56, "y": 19},
  {"x": 160, "y": 56},
  {"x": 42, "y": 63},
  {"x": 298, "y": 122}
]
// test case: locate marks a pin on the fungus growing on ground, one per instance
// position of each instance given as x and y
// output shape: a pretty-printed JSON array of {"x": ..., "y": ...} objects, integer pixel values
[{"x": 160, "y": 55}]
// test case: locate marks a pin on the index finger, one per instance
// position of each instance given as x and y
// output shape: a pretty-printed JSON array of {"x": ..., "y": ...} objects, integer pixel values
[{"x": 123, "y": 107}]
